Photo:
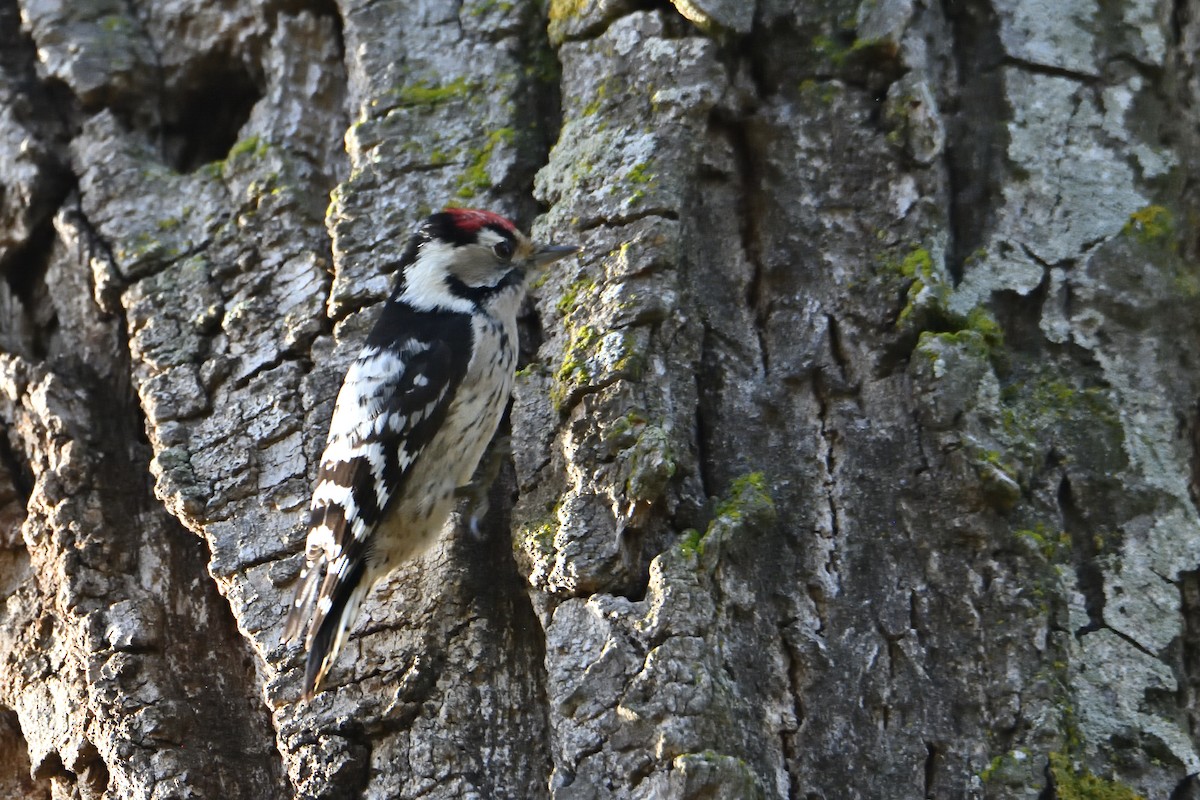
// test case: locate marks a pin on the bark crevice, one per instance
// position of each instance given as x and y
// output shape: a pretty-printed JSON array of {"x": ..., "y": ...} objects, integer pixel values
[{"x": 977, "y": 138}]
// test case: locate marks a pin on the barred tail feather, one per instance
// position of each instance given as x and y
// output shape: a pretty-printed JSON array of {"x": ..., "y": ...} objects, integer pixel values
[
  {"x": 304, "y": 602},
  {"x": 341, "y": 598}
]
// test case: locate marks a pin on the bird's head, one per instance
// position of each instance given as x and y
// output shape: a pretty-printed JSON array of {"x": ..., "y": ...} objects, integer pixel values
[{"x": 463, "y": 259}]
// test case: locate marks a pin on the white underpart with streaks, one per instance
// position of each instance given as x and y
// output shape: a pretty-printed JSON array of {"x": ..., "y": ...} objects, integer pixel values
[{"x": 450, "y": 458}]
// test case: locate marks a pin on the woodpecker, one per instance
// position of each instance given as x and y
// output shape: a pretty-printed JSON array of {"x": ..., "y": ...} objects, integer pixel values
[{"x": 417, "y": 408}]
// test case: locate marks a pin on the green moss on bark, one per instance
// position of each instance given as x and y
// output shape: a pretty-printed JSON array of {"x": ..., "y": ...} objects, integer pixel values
[{"x": 1079, "y": 784}]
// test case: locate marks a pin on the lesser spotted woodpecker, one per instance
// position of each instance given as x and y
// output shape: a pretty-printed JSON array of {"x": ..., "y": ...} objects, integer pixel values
[{"x": 417, "y": 408}]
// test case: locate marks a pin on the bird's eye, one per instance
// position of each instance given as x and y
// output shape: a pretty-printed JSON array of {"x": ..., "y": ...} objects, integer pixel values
[{"x": 503, "y": 249}]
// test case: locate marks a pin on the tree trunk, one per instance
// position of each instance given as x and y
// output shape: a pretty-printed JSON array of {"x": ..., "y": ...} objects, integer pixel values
[{"x": 855, "y": 457}]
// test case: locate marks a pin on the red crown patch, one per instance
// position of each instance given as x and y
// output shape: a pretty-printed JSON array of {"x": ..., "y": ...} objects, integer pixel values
[{"x": 470, "y": 220}]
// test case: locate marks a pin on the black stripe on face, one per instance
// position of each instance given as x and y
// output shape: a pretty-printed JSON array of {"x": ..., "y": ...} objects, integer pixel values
[{"x": 479, "y": 294}]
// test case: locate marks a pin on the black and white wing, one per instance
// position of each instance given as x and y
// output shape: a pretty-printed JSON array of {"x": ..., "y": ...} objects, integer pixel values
[{"x": 393, "y": 401}]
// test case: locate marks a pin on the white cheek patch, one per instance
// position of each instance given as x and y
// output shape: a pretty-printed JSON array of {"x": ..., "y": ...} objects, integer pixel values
[
  {"x": 479, "y": 268},
  {"x": 475, "y": 265},
  {"x": 425, "y": 280}
]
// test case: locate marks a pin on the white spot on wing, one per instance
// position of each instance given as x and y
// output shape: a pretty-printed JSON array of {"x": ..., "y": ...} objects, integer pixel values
[
  {"x": 329, "y": 493},
  {"x": 337, "y": 450},
  {"x": 320, "y": 541},
  {"x": 366, "y": 387}
]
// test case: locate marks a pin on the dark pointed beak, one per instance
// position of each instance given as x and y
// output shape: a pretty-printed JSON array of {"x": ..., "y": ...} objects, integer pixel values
[{"x": 549, "y": 253}]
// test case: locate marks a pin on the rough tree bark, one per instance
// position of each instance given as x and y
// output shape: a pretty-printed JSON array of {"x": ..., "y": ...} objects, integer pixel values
[{"x": 856, "y": 457}]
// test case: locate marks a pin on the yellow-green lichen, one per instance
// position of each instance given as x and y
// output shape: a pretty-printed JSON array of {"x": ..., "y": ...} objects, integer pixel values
[
  {"x": 249, "y": 148},
  {"x": 439, "y": 158},
  {"x": 212, "y": 170},
  {"x": 537, "y": 535},
  {"x": 825, "y": 91},
  {"x": 1081, "y": 424},
  {"x": 917, "y": 263},
  {"x": 1152, "y": 225},
  {"x": 484, "y": 6},
  {"x": 747, "y": 506},
  {"x": 574, "y": 371},
  {"x": 564, "y": 9},
  {"x": 651, "y": 465},
  {"x": 858, "y": 50},
  {"x": 475, "y": 177},
  {"x": 112, "y": 23},
  {"x": 927, "y": 307},
  {"x": 927, "y": 290},
  {"x": 632, "y": 360},
  {"x": 977, "y": 334},
  {"x": 640, "y": 178},
  {"x": 1008, "y": 762},
  {"x": 640, "y": 173},
  {"x": 718, "y": 774},
  {"x": 144, "y": 247},
  {"x": 691, "y": 543},
  {"x": 1186, "y": 281},
  {"x": 622, "y": 433},
  {"x": 252, "y": 146},
  {"x": 1055, "y": 546},
  {"x": 1046, "y": 399},
  {"x": 574, "y": 293},
  {"x": 593, "y": 107},
  {"x": 532, "y": 368},
  {"x": 595, "y": 359},
  {"x": 981, "y": 321},
  {"x": 1080, "y": 784},
  {"x": 747, "y": 495},
  {"x": 539, "y": 280},
  {"x": 427, "y": 93}
]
